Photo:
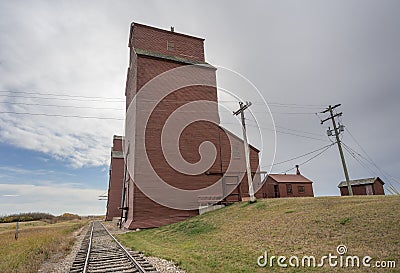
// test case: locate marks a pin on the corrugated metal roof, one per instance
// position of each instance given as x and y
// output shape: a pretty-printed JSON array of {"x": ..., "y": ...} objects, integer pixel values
[
  {"x": 364, "y": 181},
  {"x": 290, "y": 178}
]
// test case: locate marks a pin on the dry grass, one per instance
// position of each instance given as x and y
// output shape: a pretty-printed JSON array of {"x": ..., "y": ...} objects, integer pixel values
[
  {"x": 36, "y": 241},
  {"x": 231, "y": 239}
]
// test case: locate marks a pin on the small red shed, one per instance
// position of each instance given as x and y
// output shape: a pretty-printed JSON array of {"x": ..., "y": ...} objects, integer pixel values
[
  {"x": 286, "y": 185},
  {"x": 365, "y": 186}
]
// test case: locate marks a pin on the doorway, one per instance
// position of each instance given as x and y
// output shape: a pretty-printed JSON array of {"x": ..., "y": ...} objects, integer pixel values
[{"x": 276, "y": 191}]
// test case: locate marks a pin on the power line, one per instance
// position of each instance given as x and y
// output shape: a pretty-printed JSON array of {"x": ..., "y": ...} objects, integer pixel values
[
  {"x": 292, "y": 113},
  {"x": 59, "y": 95},
  {"x": 293, "y": 106},
  {"x": 293, "y": 134},
  {"x": 61, "y": 106},
  {"x": 354, "y": 154},
  {"x": 287, "y": 133},
  {"x": 58, "y": 115},
  {"x": 300, "y": 156},
  {"x": 275, "y": 104},
  {"x": 118, "y": 99},
  {"x": 362, "y": 149},
  {"x": 308, "y": 160},
  {"x": 296, "y": 104},
  {"x": 384, "y": 173},
  {"x": 57, "y": 98},
  {"x": 300, "y": 131},
  {"x": 290, "y": 129}
]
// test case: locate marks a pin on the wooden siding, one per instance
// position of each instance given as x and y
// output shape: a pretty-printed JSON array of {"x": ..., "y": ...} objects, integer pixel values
[{"x": 143, "y": 212}]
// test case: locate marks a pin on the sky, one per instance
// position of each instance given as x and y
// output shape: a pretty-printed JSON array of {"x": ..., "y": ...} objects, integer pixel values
[{"x": 63, "y": 70}]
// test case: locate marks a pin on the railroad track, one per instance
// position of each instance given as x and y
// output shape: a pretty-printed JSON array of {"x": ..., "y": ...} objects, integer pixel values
[{"x": 101, "y": 252}]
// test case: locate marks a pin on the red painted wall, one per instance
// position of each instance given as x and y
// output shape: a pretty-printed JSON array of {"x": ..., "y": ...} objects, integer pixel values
[
  {"x": 142, "y": 211},
  {"x": 115, "y": 180},
  {"x": 156, "y": 40},
  {"x": 361, "y": 189},
  {"x": 268, "y": 189}
]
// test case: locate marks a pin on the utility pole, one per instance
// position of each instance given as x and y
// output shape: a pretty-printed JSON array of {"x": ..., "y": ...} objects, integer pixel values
[
  {"x": 246, "y": 148},
  {"x": 332, "y": 117}
]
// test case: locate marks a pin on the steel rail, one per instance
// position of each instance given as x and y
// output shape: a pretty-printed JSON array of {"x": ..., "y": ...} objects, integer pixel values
[
  {"x": 85, "y": 268},
  {"x": 137, "y": 265}
]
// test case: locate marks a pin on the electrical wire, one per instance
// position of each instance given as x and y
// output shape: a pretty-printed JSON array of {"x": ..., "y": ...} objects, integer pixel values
[
  {"x": 58, "y": 115},
  {"x": 56, "y": 98},
  {"x": 363, "y": 150},
  {"x": 354, "y": 154},
  {"x": 60, "y": 95},
  {"x": 61, "y": 106},
  {"x": 292, "y": 113},
  {"x": 300, "y": 156},
  {"x": 296, "y": 104},
  {"x": 308, "y": 160},
  {"x": 275, "y": 104},
  {"x": 296, "y": 130},
  {"x": 290, "y": 129},
  {"x": 293, "y": 134},
  {"x": 377, "y": 167}
]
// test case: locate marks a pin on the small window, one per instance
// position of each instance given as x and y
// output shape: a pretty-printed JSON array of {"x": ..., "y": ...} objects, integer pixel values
[
  {"x": 289, "y": 188},
  {"x": 300, "y": 189},
  {"x": 171, "y": 46}
]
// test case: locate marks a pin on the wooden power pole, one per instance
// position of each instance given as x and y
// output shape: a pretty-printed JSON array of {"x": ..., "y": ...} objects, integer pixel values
[
  {"x": 332, "y": 117},
  {"x": 246, "y": 148}
]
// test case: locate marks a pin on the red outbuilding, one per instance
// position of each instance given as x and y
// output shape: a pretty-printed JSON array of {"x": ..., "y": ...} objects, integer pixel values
[
  {"x": 366, "y": 186},
  {"x": 286, "y": 185}
]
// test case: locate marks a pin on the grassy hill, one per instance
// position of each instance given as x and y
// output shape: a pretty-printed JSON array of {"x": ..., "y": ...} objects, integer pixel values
[{"x": 231, "y": 239}]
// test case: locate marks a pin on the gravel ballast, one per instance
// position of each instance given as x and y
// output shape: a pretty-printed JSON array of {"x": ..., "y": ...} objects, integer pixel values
[{"x": 59, "y": 263}]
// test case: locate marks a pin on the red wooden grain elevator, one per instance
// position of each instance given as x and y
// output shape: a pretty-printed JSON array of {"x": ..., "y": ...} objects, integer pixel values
[
  {"x": 116, "y": 178},
  {"x": 152, "y": 52}
]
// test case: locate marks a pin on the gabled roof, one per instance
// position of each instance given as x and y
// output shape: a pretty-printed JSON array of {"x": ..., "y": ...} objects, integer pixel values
[
  {"x": 364, "y": 181},
  {"x": 237, "y": 137},
  {"x": 289, "y": 178}
]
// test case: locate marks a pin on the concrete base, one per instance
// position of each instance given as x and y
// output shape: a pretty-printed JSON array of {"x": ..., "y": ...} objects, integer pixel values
[{"x": 205, "y": 209}]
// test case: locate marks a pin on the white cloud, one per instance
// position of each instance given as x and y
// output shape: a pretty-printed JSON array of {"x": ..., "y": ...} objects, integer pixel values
[
  {"x": 55, "y": 199},
  {"x": 61, "y": 53},
  {"x": 17, "y": 170}
]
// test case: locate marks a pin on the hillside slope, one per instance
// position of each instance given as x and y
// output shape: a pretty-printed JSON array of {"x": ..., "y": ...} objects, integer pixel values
[{"x": 231, "y": 239}]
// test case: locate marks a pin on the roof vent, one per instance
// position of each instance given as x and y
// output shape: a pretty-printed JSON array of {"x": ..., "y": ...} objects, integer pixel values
[
  {"x": 172, "y": 29},
  {"x": 297, "y": 170}
]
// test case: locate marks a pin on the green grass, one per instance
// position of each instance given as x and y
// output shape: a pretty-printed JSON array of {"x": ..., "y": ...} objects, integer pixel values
[
  {"x": 231, "y": 239},
  {"x": 37, "y": 240},
  {"x": 344, "y": 221}
]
